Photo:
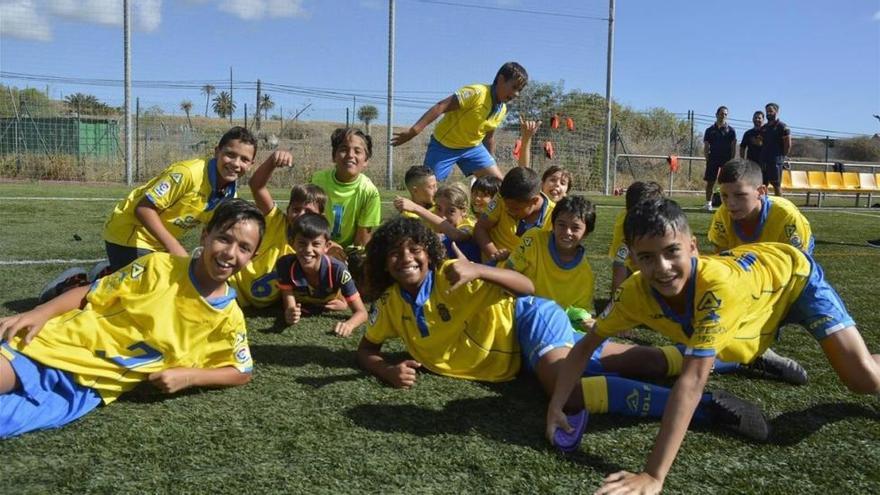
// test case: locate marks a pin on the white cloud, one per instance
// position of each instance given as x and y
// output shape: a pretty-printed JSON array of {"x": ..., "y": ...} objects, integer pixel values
[
  {"x": 31, "y": 19},
  {"x": 251, "y": 10},
  {"x": 877, "y": 15},
  {"x": 20, "y": 19}
]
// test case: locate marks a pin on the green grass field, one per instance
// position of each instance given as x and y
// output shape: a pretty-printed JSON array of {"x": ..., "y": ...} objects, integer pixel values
[{"x": 312, "y": 422}]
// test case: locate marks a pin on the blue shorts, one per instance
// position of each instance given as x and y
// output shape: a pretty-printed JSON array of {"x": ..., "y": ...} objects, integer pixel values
[
  {"x": 122, "y": 256},
  {"x": 46, "y": 397},
  {"x": 541, "y": 326},
  {"x": 772, "y": 171},
  {"x": 440, "y": 159},
  {"x": 819, "y": 309}
]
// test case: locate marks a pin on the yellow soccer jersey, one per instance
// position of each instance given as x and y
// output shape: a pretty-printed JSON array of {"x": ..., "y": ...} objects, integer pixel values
[
  {"x": 735, "y": 302},
  {"x": 618, "y": 252},
  {"x": 478, "y": 114},
  {"x": 185, "y": 195},
  {"x": 780, "y": 221},
  {"x": 469, "y": 333},
  {"x": 257, "y": 283},
  {"x": 569, "y": 284},
  {"x": 507, "y": 231},
  {"x": 145, "y": 318}
]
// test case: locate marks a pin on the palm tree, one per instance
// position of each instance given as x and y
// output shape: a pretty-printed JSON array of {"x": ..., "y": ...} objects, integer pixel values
[
  {"x": 82, "y": 103},
  {"x": 223, "y": 105},
  {"x": 266, "y": 104},
  {"x": 186, "y": 106},
  {"x": 208, "y": 90},
  {"x": 366, "y": 114}
]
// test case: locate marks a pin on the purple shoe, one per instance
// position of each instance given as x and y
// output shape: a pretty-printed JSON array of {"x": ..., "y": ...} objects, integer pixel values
[{"x": 568, "y": 442}]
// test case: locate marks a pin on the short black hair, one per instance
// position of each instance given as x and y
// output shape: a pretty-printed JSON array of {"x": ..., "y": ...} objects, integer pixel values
[
  {"x": 520, "y": 184},
  {"x": 578, "y": 206},
  {"x": 722, "y": 107},
  {"x": 242, "y": 135},
  {"x": 758, "y": 112},
  {"x": 309, "y": 193},
  {"x": 310, "y": 226},
  {"x": 231, "y": 211},
  {"x": 654, "y": 218},
  {"x": 488, "y": 184},
  {"x": 341, "y": 134},
  {"x": 387, "y": 237},
  {"x": 740, "y": 169},
  {"x": 772, "y": 105},
  {"x": 640, "y": 191},
  {"x": 416, "y": 174},
  {"x": 515, "y": 71}
]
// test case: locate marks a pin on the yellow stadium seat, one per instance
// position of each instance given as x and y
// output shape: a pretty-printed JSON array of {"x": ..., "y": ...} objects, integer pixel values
[
  {"x": 799, "y": 180},
  {"x": 850, "y": 180},
  {"x": 867, "y": 181},
  {"x": 786, "y": 179},
  {"x": 816, "y": 179},
  {"x": 833, "y": 180},
  {"x": 877, "y": 179}
]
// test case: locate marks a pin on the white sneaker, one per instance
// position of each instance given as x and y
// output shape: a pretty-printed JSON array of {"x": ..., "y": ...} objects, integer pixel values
[{"x": 709, "y": 207}]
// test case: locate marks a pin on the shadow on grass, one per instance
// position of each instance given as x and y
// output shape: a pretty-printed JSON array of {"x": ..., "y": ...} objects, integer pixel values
[
  {"x": 145, "y": 393},
  {"x": 840, "y": 243},
  {"x": 21, "y": 305},
  {"x": 791, "y": 428},
  {"x": 301, "y": 355},
  {"x": 323, "y": 381}
]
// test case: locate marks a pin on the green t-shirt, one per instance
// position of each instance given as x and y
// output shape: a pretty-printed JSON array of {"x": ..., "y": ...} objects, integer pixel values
[{"x": 350, "y": 204}]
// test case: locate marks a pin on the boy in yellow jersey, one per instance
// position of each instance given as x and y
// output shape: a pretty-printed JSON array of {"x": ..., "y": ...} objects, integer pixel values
[
  {"x": 729, "y": 306},
  {"x": 464, "y": 320},
  {"x": 621, "y": 264},
  {"x": 519, "y": 206},
  {"x": 354, "y": 207},
  {"x": 422, "y": 186},
  {"x": 449, "y": 218},
  {"x": 156, "y": 215},
  {"x": 466, "y": 134},
  {"x": 310, "y": 280},
  {"x": 257, "y": 283},
  {"x": 748, "y": 213},
  {"x": 556, "y": 261},
  {"x": 167, "y": 319}
]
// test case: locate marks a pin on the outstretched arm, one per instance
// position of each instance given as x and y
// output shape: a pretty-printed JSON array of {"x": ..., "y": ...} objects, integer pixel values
[
  {"x": 677, "y": 416},
  {"x": 258, "y": 181},
  {"x": 31, "y": 322},
  {"x": 527, "y": 129},
  {"x": 464, "y": 271},
  {"x": 402, "y": 375},
  {"x": 176, "y": 379},
  {"x": 447, "y": 104},
  {"x": 438, "y": 223}
]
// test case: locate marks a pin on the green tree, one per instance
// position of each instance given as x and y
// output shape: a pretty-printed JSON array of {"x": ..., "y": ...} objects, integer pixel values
[
  {"x": 208, "y": 90},
  {"x": 223, "y": 105},
  {"x": 187, "y": 106},
  {"x": 266, "y": 104},
  {"x": 367, "y": 114},
  {"x": 87, "y": 104}
]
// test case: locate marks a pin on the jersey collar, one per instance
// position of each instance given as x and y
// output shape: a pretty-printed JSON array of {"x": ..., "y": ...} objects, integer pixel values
[
  {"x": 219, "y": 302},
  {"x": 554, "y": 253},
  {"x": 417, "y": 304},
  {"x": 686, "y": 319},
  {"x": 217, "y": 195},
  {"x": 325, "y": 274},
  {"x": 522, "y": 226},
  {"x": 762, "y": 220},
  {"x": 496, "y": 106}
]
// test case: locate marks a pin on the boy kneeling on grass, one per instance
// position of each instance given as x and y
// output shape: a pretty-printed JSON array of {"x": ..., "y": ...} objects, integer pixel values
[
  {"x": 170, "y": 320},
  {"x": 728, "y": 306}
]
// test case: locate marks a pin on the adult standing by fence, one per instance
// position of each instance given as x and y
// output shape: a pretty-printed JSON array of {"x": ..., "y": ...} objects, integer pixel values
[
  {"x": 719, "y": 146},
  {"x": 752, "y": 142},
  {"x": 776, "y": 143}
]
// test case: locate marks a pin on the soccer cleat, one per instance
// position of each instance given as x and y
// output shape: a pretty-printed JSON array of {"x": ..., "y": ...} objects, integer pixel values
[
  {"x": 874, "y": 243},
  {"x": 568, "y": 442},
  {"x": 778, "y": 367},
  {"x": 741, "y": 416},
  {"x": 68, "y": 279},
  {"x": 100, "y": 270}
]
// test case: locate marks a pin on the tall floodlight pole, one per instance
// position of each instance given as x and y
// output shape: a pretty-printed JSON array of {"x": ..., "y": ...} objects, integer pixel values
[
  {"x": 609, "y": 65},
  {"x": 126, "y": 22},
  {"x": 389, "y": 179}
]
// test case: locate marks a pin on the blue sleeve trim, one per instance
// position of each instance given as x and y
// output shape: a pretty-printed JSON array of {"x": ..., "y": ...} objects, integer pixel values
[{"x": 701, "y": 353}]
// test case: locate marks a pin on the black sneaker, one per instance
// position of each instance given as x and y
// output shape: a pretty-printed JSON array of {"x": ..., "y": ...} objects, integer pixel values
[
  {"x": 874, "y": 243},
  {"x": 779, "y": 367},
  {"x": 741, "y": 416},
  {"x": 68, "y": 279}
]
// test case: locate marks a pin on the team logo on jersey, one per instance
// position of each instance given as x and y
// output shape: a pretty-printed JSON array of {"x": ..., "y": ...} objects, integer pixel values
[
  {"x": 373, "y": 315},
  {"x": 796, "y": 241},
  {"x": 346, "y": 277},
  {"x": 622, "y": 253},
  {"x": 719, "y": 226},
  {"x": 492, "y": 205},
  {"x": 176, "y": 177},
  {"x": 709, "y": 302},
  {"x": 444, "y": 312},
  {"x": 616, "y": 297},
  {"x": 161, "y": 189},
  {"x": 465, "y": 94},
  {"x": 240, "y": 338},
  {"x": 790, "y": 230},
  {"x": 243, "y": 355},
  {"x": 136, "y": 270},
  {"x": 527, "y": 241}
]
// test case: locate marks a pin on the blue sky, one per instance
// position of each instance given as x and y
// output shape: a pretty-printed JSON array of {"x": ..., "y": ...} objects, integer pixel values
[{"x": 820, "y": 60}]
